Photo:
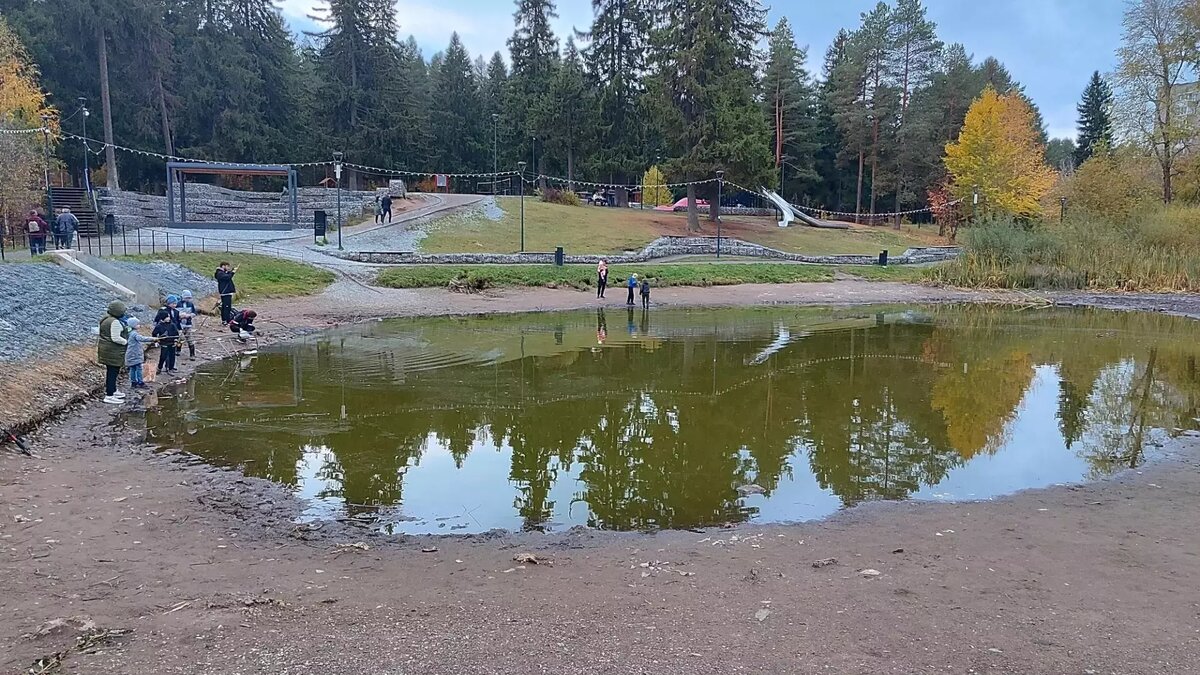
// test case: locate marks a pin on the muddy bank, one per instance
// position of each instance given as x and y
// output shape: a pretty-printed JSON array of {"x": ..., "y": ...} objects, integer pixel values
[{"x": 194, "y": 569}]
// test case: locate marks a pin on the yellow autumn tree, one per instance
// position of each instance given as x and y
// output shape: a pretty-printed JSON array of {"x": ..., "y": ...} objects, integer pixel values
[
  {"x": 654, "y": 188},
  {"x": 22, "y": 104},
  {"x": 998, "y": 151}
]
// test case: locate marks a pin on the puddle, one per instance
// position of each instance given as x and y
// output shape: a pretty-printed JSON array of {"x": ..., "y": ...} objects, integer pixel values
[{"x": 682, "y": 418}]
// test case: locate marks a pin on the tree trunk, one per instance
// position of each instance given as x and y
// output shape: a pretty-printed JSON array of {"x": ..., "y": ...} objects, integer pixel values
[
  {"x": 693, "y": 218},
  {"x": 168, "y": 144},
  {"x": 874, "y": 161},
  {"x": 714, "y": 204},
  {"x": 858, "y": 198},
  {"x": 571, "y": 168},
  {"x": 110, "y": 155}
]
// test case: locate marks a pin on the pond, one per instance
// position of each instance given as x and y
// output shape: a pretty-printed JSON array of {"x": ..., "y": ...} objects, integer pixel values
[{"x": 684, "y": 418}]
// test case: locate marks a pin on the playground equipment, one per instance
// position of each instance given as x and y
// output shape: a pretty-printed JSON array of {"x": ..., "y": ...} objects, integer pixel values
[{"x": 790, "y": 214}]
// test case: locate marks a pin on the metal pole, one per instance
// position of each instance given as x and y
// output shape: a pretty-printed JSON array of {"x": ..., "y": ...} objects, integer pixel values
[
  {"x": 495, "y": 151},
  {"x": 521, "y": 178},
  {"x": 87, "y": 180},
  {"x": 720, "y": 184},
  {"x": 46, "y": 158},
  {"x": 337, "y": 172}
]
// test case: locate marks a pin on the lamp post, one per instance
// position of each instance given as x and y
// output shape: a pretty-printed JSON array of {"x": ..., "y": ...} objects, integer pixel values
[
  {"x": 720, "y": 184},
  {"x": 495, "y": 151},
  {"x": 1062, "y": 208},
  {"x": 658, "y": 166},
  {"x": 521, "y": 179},
  {"x": 87, "y": 179},
  {"x": 337, "y": 174},
  {"x": 46, "y": 160}
]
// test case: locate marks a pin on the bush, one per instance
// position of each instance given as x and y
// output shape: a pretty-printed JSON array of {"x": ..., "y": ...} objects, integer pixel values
[{"x": 563, "y": 197}]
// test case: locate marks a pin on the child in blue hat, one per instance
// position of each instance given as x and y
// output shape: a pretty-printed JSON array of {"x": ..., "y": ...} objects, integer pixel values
[{"x": 166, "y": 329}]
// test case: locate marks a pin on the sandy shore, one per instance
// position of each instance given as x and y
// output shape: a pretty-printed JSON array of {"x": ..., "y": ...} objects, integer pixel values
[{"x": 198, "y": 570}]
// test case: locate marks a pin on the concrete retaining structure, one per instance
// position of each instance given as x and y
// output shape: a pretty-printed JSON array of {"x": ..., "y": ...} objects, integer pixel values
[
  {"x": 663, "y": 247},
  {"x": 210, "y": 203}
]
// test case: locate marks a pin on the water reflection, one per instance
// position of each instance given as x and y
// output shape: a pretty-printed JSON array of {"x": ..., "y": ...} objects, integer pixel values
[{"x": 551, "y": 420}]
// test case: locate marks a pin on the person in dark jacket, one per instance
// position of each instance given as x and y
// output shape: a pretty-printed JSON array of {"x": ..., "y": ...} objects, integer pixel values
[
  {"x": 387, "y": 208},
  {"x": 646, "y": 293},
  {"x": 226, "y": 289},
  {"x": 242, "y": 324},
  {"x": 110, "y": 350},
  {"x": 64, "y": 229},
  {"x": 601, "y": 278},
  {"x": 187, "y": 314},
  {"x": 166, "y": 327},
  {"x": 36, "y": 227}
]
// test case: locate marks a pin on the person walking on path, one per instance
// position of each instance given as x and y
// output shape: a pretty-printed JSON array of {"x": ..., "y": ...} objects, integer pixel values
[
  {"x": 188, "y": 312},
  {"x": 601, "y": 278},
  {"x": 387, "y": 208},
  {"x": 36, "y": 228},
  {"x": 378, "y": 210},
  {"x": 64, "y": 229},
  {"x": 633, "y": 284},
  {"x": 646, "y": 293},
  {"x": 226, "y": 289},
  {"x": 110, "y": 350}
]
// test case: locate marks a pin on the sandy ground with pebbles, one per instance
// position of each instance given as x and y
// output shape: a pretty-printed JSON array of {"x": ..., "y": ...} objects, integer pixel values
[{"x": 127, "y": 561}]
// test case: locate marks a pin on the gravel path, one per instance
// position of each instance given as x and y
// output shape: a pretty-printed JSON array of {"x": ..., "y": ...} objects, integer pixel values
[{"x": 44, "y": 307}]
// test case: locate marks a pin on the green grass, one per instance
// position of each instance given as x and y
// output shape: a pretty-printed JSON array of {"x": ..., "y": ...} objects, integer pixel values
[
  {"x": 661, "y": 275},
  {"x": 258, "y": 276},
  {"x": 1159, "y": 251},
  {"x": 599, "y": 230}
]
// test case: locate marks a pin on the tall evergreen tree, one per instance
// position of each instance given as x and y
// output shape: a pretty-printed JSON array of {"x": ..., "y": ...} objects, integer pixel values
[
  {"x": 833, "y": 157},
  {"x": 915, "y": 53},
  {"x": 574, "y": 111},
  {"x": 533, "y": 51},
  {"x": 790, "y": 102},
  {"x": 458, "y": 130},
  {"x": 616, "y": 62},
  {"x": 1095, "y": 120}
]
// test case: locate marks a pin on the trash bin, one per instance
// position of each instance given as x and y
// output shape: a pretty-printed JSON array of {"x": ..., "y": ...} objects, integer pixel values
[
  {"x": 558, "y": 256},
  {"x": 320, "y": 224},
  {"x": 883, "y": 258}
]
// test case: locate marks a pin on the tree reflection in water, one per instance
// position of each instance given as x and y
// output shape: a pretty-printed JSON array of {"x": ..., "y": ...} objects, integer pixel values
[{"x": 658, "y": 425}]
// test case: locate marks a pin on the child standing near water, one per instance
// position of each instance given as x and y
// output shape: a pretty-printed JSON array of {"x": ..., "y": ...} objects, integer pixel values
[
  {"x": 166, "y": 329},
  {"x": 601, "y": 278},
  {"x": 135, "y": 353},
  {"x": 633, "y": 284},
  {"x": 646, "y": 293}
]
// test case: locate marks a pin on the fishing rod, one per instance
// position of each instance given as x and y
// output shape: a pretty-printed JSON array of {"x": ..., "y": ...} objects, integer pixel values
[{"x": 18, "y": 441}]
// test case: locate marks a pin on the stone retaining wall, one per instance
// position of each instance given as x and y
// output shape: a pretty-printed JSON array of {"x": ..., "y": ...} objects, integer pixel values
[
  {"x": 210, "y": 203},
  {"x": 663, "y": 247}
]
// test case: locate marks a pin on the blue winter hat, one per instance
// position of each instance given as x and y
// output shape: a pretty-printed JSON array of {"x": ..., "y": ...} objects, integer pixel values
[
  {"x": 132, "y": 322},
  {"x": 172, "y": 299}
]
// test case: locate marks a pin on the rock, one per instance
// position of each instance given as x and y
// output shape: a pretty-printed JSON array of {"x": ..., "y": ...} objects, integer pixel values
[
  {"x": 762, "y": 614},
  {"x": 824, "y": 562},
  {"x": 532, "y": 559},
  {"x": 429, "y": 549},
  {"x": 751, "y": 489},
  {"x": 870, "y": 572}
]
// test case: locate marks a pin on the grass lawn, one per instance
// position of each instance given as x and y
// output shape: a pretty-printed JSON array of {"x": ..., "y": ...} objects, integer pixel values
[
  {"x": 591, "y": 229},
  {"x": 258, "y": 276},
  {"x": 664, "y": 274}
]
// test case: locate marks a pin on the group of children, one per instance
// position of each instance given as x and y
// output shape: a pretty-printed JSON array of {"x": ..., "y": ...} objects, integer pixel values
[
  {"x": 172, "y": 323},
  {"x": 633, "y": 285}
]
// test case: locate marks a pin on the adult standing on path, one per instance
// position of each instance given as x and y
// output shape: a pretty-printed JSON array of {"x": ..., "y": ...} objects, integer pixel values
[
  {"x": 64, "y": 229},
  {"x": 226, "y": 289},
  {"x": 633, "y": 284},
  {"x": 601, "y": 278},
  {"x": 110, "y": 350},
  {"x": 387, "y": 208},
  {"x": 36, "y": 227}
]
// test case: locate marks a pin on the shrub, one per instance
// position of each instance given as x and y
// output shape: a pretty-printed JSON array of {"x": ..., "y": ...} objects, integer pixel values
[{"x": 564, "y": 197}]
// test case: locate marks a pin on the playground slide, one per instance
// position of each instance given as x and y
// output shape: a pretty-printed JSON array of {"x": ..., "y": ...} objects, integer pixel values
[{"x": 790, "y": 214}]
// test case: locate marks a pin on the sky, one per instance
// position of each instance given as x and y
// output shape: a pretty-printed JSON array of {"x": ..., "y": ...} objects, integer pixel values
[{"x": 1050, "y": 46}]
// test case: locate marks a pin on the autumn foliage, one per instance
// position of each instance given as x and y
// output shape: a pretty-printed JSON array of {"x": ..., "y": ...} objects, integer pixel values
[{"x": 998, "y": 151}]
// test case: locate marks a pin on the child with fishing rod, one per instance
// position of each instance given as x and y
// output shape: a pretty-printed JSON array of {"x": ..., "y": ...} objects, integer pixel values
[{"x": 167, "y": 329}]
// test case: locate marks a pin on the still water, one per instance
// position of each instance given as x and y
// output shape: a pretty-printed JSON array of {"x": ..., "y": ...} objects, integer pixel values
[{"x": 631, "y": 420}]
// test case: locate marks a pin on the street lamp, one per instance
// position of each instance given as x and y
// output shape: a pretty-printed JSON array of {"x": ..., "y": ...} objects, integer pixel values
[
  {"x": 337, "y": 173},
  {"x": 495, "y": 151},
  {"x": 87, "y": 179},
  {"x": 658, "y": 167},
  {"x": 46, "y": 159},
  {"x": 521, "y": 179},
  {"x": 720, "y": 184}
]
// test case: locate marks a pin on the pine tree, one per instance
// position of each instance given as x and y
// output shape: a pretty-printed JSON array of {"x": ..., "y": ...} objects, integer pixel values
[
  {"x": 495, "y": 93},
  {"x": 574, "y": 111},
  {"x": 790, "y": 103},
  {"x": 915, "y": 53},
  {"x": 833, "y": 157},
  {"x": 616, "y": 60},
  {"x": 458, "y": 129},
  {"x": 1095, "y": 122},
  {"x": 533, "y": 51},
  {"x": 704, "y": 80}
]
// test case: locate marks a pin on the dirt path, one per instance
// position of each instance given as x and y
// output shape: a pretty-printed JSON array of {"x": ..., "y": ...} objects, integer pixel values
[{"x": 209, "y": 574}]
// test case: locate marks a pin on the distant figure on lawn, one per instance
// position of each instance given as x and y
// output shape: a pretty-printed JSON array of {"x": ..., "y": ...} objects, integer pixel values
[
  {"x": 64, "y": 229},
  {"x": 633, "y": 284},
  {"x": 226, "y": 289},
  {"x": 386, "y": 205},
  {"x": 601, "y": 278}
]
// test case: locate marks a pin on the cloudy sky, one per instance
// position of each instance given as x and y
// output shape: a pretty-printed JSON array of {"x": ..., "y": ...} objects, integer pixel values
[{"x": 1051, "y": 46}]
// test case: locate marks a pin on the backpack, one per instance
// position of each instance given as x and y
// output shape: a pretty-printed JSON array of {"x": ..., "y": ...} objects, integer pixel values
[{"x": 33, "y": 227}]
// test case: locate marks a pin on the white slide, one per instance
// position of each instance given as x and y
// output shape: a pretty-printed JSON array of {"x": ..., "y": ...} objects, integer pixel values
[{"x": 785, "y": 209}]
